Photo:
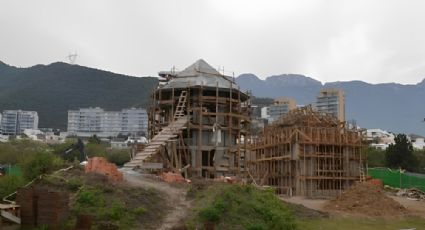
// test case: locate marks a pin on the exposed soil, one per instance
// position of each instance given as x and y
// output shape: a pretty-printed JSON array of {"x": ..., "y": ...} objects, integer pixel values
[
  {"x": 366, "y": 200},
  {"x": 302, "y": 212},
  {"x": 175, "y": 198}
]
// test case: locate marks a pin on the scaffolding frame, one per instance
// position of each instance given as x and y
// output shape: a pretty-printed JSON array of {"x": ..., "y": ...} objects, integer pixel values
[
  {"x": 210, "y": 111},
  {"x": 307, "y": 153}
]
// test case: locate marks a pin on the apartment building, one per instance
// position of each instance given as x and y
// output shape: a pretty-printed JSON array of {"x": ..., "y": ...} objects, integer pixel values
[
  {"x": 332, "y": 101},
  {"x": 280, "y": 107},
  {"x": 14, "y": 122},
  {"x": 87, "y": 122}
]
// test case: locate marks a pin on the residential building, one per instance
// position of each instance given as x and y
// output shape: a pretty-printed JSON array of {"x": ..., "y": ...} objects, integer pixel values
[
  {"x": 87, "y": 122},
  {"x": 379, "y": 138},
  {"x": 418, "y": 142},
  {"x": 332, "y": 101},
  {"x": 265, "y": 112},
  {"x": 14, "y": 122},
  {"x": 280, "y": 107}
]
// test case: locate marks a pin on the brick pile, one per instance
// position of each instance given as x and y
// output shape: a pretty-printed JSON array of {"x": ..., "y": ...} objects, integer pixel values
[
  {"x": 40, "y": 207},
  {"x": 172, "y": 177},
  {"x": 101, "y": 166}
]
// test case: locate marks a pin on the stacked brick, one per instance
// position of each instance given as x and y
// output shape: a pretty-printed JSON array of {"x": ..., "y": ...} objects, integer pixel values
[
  {"x": 41, "y": 207},
  {"x": 101, "y": 166}
]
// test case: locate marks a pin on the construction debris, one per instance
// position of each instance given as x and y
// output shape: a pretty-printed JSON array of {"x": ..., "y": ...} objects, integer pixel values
[
  {"x": 101, "y": 166},
  {"x": 172, "y": 177},
  {"x": 368, "y": 200},
  {"x": 307, "y": 153},
  {"x": 411, "y": 193}
]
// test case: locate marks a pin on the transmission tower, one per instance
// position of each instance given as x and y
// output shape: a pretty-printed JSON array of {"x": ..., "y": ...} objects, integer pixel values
[{"x": 72, "y": 58}]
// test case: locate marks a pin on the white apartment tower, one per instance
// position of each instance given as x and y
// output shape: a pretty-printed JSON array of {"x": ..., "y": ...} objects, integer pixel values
[
  {"x": 13, "y": 122},
  {"x": 87, "y": 122},
  {"x": 332, "y": 101}
]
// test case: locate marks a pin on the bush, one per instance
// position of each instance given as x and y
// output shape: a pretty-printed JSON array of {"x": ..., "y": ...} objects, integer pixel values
[
  {"x": 118, "y": 157},
  {"x": 9, "y": 184},
  {"x": 236, "y": 207},
  {"x": 74, "y": 184},
  {"x": 40, "y": 163},
  {"x": 91, "y": 198}
]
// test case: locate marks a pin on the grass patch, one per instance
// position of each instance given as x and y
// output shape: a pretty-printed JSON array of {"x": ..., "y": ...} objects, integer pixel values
[
  {"x": 111, "y": 206},
  {"x": 360, "y": 224},
  {"x": 239, "y": 207}
]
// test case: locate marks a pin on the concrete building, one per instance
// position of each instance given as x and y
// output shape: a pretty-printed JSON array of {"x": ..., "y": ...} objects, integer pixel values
[
  {"x": 332, "y": 101},
  {"x": 280, "y": 107},
  {"x": 198, "y": 121},
  {"x": 418, "y": 142},
  {"x": 14, "y": 122},
  {"x": 379, "y": 138},
  {"x": 87, "y": 122},
  {"x": 265, "y": 112}
]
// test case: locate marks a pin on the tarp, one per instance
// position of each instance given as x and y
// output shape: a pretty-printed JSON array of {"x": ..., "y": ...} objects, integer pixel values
[{"x": 396, "y": 179}]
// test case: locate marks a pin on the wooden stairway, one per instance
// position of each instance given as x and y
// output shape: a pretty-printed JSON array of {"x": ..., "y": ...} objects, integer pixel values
[{"x": 160, "y": 140}]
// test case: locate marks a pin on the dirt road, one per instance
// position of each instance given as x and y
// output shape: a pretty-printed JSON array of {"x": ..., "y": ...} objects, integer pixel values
[{"x": 176, "y": 198}]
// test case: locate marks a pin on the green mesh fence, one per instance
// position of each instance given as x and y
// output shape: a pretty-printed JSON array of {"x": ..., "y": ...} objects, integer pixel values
[
  {"x": 396, "y": 179},
  {"x": 13, "y": 170}
]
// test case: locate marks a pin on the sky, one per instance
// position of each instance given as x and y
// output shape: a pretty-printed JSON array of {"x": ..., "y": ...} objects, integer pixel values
[{"x": 330, "y": 40}]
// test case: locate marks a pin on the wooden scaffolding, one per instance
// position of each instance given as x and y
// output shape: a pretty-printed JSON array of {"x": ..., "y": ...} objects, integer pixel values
[
  {"x": 307, "y": 153},
  {"x": 211, "y": 141}
]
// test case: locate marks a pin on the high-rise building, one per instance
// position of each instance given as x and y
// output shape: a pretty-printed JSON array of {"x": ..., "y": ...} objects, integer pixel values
[
  {"x": 280, "y": 107},
  {"x": 13, "y": 122},
  {"x": 95, "y": 121},
  {"x": 332, "y": 101}
]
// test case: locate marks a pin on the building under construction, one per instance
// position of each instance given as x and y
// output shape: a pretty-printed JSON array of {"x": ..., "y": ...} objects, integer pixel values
[
  {"x": 307, "y": 153},
  {"x": 198, "y": 123}
]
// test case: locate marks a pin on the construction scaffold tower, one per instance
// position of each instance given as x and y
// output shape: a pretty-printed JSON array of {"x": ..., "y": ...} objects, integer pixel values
[{"x": 307, "y": 153}]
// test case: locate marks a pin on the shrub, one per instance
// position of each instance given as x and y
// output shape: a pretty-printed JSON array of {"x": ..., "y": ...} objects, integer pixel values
[
  {"x": 74, "y": 184},
  {"x": 242, "y": 207},
  {"x": 90, "y": 198},
  {"x": 118, "y": 157},
  {"x": 9, "y": 184},
  {"x": 40, "y": 163}
]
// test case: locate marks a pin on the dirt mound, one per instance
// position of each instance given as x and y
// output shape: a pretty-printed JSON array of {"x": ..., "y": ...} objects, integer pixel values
[
  {"x": 302, "y": 212},
  {"x": 366, "y": 199}
]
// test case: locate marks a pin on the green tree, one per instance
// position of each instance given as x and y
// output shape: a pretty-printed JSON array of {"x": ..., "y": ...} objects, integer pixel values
[
  {"x": 400, "y": 154},
  {"x": 375, "y": 157}
]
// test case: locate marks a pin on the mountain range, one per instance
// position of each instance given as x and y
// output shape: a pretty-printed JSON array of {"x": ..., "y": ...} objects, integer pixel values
[
  {"x": 53, "y": 89},
  {"x": 390, "y": 106}
]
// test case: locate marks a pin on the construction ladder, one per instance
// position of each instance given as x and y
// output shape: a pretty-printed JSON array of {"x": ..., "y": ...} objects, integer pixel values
[
  {"x": 362, "y": 174},
  {"x": 180, "y": 106}
]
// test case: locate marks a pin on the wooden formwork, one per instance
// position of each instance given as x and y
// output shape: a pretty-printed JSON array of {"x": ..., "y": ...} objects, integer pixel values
[
  {"x": 213, "y": 142},
  {"x": 307, "y": 153}
]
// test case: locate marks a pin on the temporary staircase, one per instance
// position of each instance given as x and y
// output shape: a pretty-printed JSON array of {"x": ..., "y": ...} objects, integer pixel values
[{"x": 159, "y": 141}]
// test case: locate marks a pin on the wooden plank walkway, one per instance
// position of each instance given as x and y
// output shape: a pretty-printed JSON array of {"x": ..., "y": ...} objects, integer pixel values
[{"x": 154, "y": 146}]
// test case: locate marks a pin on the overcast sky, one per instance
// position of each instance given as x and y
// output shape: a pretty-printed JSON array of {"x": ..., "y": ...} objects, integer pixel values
[{"x": 374, "y": 41}]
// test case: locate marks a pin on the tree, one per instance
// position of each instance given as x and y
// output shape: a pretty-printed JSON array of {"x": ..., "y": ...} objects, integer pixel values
[{"x": 400, "y": 154}]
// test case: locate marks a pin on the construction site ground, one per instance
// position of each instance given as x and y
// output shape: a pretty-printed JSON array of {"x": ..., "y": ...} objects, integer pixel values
[
  {"x": 316, "y": 214},
  {"x": 175, "y": 197}
]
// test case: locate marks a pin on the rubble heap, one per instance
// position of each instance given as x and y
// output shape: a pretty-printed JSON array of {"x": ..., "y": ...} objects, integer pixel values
[
  {"x": 101, "y": 166},
  {"x": 366, "y": 199}
]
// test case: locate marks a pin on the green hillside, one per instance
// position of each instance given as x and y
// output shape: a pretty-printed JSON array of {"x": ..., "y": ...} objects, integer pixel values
[{"x": 53, "y": 89}]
